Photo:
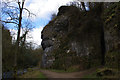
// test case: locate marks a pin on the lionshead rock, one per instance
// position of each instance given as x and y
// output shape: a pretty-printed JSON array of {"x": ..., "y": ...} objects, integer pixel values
[{"x": 74, "y": 37}]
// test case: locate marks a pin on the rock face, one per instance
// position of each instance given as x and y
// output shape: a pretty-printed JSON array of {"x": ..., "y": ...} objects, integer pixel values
[
  {"x": 74, "y": 37},
  {"x": 112, "y": 35}
]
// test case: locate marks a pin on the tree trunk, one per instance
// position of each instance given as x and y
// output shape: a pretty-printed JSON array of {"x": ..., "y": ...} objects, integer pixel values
[
  {"x": 83, "y": 5},
  {"x": 18, "y": 39}
]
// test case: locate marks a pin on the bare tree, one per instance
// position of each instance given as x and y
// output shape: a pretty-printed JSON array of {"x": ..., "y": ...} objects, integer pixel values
[
  {"x": 14, "y": 16},
  {"x": 79, "y": 4},
  {"x": 83, "y": 6}
]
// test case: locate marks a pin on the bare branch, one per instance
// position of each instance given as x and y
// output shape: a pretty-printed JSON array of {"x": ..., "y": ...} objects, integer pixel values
[
  {"x": 8, "y": 14},
  {"x": 11, "y": 17},
  {"x": 29, "y": 12},
  {"x": 11, "y": 6},
  {"x": 24, "y": 35},
  {"x": 9, "y": 22},
  {"x": 19, "y": 4},
  {"x": 23, "y": 1}
]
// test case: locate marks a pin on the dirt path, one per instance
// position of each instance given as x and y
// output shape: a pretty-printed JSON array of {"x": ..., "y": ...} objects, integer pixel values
[{"x": 51, "y": 74}]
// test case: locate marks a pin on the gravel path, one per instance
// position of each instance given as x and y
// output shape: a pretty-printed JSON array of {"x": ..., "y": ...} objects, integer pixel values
[{"x": 51, "y": 74}]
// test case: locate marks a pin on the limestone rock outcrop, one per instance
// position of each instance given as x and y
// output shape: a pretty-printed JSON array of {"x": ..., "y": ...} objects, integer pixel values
[{"x": 78, "y": 38}]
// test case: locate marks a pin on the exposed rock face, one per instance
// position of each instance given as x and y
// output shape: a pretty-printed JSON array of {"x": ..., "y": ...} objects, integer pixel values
[
  {"x": 50, "y": 37},
  {"x": 75, "y": 38},
  {"x": 112, "y": 35}
]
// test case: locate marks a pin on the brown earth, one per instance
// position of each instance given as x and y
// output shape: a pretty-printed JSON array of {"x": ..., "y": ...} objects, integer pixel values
[{"x": 51, "y": 74}]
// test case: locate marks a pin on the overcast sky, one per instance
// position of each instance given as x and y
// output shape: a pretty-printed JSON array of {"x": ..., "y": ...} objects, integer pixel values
[{"x": 43, "y": 9}]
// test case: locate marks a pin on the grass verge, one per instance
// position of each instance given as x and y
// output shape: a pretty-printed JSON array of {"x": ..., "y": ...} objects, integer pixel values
[{"x": 33, "y": 74}]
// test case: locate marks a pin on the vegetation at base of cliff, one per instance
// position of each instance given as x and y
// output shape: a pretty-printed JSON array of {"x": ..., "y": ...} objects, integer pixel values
[
  {"x": 103, "y": 73},
  {"x": 113, "y": 60}
]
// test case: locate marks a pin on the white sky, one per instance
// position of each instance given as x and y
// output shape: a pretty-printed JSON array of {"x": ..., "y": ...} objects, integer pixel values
[{"x": 43, "y": 10}]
